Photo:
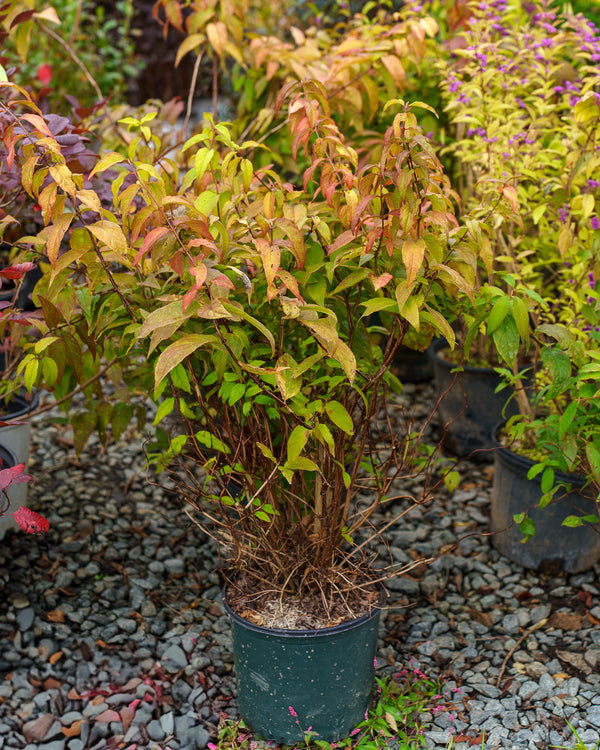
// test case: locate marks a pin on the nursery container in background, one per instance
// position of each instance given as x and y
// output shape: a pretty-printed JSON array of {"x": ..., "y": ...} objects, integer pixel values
[
  {"x": 554, "y": 545},
  {"x": 15, "y": 437}
]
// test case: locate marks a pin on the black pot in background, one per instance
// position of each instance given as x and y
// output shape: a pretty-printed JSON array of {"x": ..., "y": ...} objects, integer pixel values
[
  {"x": 411, "y": 365},
  {"x": 471, "y": 408},
  {"x": 326, "y": 677},
  {"x": 554, "y": 545},
  {"x": 7, "y": 461}
]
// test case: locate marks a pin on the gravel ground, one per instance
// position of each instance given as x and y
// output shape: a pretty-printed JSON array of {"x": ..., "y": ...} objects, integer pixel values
[{"x": 114, "y": 637}]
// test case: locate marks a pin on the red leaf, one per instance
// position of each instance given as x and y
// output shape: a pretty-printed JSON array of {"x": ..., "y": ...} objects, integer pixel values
[
  {"x": 44, "y": 74},
  {"x": 15, "y": 272},
  {"x": 30, "y": 521},
  {"x": 13, "y": 475}
]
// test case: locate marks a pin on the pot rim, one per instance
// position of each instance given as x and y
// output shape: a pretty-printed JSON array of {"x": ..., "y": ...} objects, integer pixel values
[
  {"x": 438, "y": 344},
  {"x": 313, "y": 633},
  {"x": 523, "y": 463},
  {"x": 23, "y": 407}
]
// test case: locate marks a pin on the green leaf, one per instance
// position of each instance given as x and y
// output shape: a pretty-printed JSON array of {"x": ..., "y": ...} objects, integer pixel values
[
  {"x": 339, "y": 416},
  {"x": 547, "y": 479},
  {"x": 566, "y": 419},
  {"x": 164, "y": 409},
  {"x": 176, "y": 352},
  {"x": 452, "y": 480},
  {"x": 527, "y": 527},
  {"x": 506, "y": 340},
  {"x": 211, "y": 441},
  {"x": 498, "y": 313},
  {"x": 572, "y": 522},
  {"x": 376, "y": 305},
  {"x": 296, "y": 442},
  {"x": 238, "y": 311},
  {"x": 593, "y": 457},
  {"x": 121, "y": 416}
]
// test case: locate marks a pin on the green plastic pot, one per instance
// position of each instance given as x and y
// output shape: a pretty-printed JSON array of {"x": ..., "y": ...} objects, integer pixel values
[{"x": 294, "y": 681}]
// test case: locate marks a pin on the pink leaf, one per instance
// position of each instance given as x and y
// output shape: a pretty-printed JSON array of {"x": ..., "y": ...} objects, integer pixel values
[
  {"x": 13, "y": 475},
  {"x": 30, "y": 521},
  {"x": 107, "y": 716},
  {"x": 44, "y": 74}
]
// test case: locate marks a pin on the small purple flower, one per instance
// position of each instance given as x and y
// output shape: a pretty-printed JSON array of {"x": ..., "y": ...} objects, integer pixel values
[
  {"x": 595, "y": 222},
  {"x": 563, "y": 213},
  {"x": 594, "y": 184},
  {"x": 293, "y": 713},
  {"x": 591, "y": 279}
]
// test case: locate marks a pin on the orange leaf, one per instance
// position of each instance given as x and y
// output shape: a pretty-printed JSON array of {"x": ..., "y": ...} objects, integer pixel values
[
  {"x": 55, "y": 657},
  {"x": 413, "y": 252},
  {"x": 56, "y": 615},
  {"x": 74, "y": 730}
]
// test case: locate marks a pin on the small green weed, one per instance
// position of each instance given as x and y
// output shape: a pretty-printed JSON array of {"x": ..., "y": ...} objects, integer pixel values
[
  {"x": 580, "y": 743},
  {"x": 398, "y": 715}
]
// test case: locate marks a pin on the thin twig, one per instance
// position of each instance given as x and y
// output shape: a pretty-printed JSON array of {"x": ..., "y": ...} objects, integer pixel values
[
  {"x": 527, "y": 633},
  {"x": 190, "y": 99}
]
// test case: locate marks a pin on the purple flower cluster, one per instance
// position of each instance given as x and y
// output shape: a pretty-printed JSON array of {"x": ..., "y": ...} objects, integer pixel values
[
  {"x": 595, "y": 222},
  {"x": 563, "y": 213},
  {"x": 521, "y": 137}
]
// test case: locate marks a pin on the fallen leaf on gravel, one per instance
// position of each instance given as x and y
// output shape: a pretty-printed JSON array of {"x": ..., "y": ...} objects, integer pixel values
[
  {"x": 107, "y": 716},
  {"x": 575, "y": 660},
  {"x": 127, "y": 713},
  {"x": 56, "y": 615},
  {"x": 98, "y": 699},
  {"x": 51, "y": 684},
  {"x": 55, "y": 657},
  {"x": 592, "y": 619},
  {"x": 38, "y": 729},
  {"x": 74, "y": 730},
  {"x": 566, "y": 621},
  {"x": 471, "y": 740},
  {"x": 73, "y": 695},
  {"x": 481, "y": 617}
]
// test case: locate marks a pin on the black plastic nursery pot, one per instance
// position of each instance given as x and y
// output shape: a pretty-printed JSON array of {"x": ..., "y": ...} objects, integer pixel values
[
  {"x": 470, "y": 408},
  {"x": 7, "y": 458},
  {"x": 291, "y": 680},
  {"x": 554, "y": 545},
  {"x": 411, "y": 365},
  {"x": 18, "y": 406}
]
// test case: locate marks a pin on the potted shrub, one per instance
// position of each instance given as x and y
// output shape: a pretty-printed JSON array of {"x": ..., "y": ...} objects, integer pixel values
[
  {"x": 244, "y": 302},
  {"x": 518, "y": 87},
  {"x": 547, "y": 472}
]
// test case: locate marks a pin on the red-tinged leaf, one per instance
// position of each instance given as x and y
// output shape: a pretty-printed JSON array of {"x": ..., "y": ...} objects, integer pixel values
[
  {"x": 44, "y": 74},
  {"x": 127, "y": 714},
  {"x": 30, "y": 521},
  {"x": 283, "y": 92},
  {"x": 413, "y": 252},
  {"x": 39, "y": 123},
  {"x": 107, "y": 716},
  {"x": 178, "y": 351},
  {"x": 21, "y": 18},
  {"x": 359, "y": 210},
  {"x": 11, "y": 476},
  {"x": 380, "y": 281},
  {"x": 343, "y": 239},
  {"x": 149, "y": 240},
  {"x": 189, "y": 297},
  {"x": 55, "y": 235},
  {"x": 15, "y": 272},
  {"x": 511, "y": 195}
]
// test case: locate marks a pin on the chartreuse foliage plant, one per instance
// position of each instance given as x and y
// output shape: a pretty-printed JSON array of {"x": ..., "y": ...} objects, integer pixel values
[
  {"x": 241, "y": 302},
  {"x": 523, "y": 94}
]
